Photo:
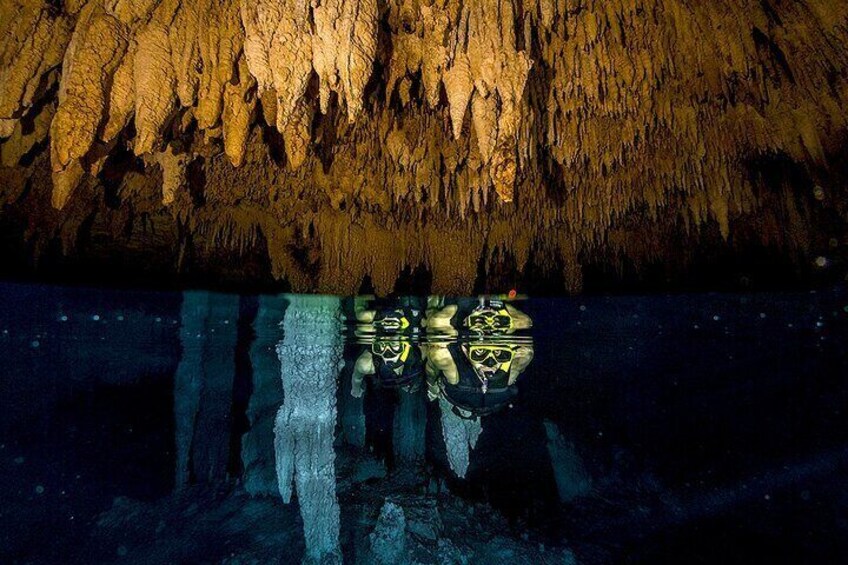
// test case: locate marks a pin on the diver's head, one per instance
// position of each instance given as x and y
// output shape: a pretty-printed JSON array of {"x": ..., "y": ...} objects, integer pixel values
[
  {"x": 393, "y": 352},
  {"x": 400, "y": 364},
  {"x": 489, "y": 361}
]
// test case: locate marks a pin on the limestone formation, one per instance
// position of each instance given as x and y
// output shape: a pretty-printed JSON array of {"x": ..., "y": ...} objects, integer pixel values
[
  {"x": 460, "y": 434},
  {"x": 537, "y": 132},
  {"x": 260, "y": 476},
  {"x": 203, "y": 386},
  {"x": 310, "y": 355}
]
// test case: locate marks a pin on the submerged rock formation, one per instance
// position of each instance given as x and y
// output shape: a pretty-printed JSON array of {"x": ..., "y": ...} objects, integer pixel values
[
  {"x": 409, "y": 427},
  {"x": 571, "y": 477},
  {"x": 203, "y": 386},
  {"x": 351, "y": 139},
  {"x": 310, "y": 356},
  {"x": 260, "y": 477},
  {"x": 460, "y": 435}
]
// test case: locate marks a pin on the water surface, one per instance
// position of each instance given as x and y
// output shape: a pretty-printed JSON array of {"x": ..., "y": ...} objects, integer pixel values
[{"x": 201, "y": 427}]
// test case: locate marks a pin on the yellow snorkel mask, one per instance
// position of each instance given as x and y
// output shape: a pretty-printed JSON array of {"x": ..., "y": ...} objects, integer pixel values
[
  {"x": 393, "y": 352},
  {"x": 488, "y": 360}
]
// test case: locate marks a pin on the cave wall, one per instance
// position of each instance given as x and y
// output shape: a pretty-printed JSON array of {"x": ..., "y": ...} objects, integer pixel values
[{"x": 350, "y": 141}]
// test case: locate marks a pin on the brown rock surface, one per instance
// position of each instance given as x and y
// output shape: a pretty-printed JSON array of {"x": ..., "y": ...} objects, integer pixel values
[{"x": 360, "y": 138}]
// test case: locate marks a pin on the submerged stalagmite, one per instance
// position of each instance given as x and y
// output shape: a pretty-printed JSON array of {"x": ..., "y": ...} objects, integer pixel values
[
  {"x": 349, "y": 139},
  {"x": 310, "y": 356}
]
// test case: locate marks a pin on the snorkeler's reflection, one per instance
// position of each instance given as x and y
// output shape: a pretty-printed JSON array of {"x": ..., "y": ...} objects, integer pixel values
[
  {"x": 390, "y": 332},
  {"x": 390, "y": 367}
]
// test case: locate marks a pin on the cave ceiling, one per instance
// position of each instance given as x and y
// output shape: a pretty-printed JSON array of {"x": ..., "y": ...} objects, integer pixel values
[{"x": 348, "y": 140}]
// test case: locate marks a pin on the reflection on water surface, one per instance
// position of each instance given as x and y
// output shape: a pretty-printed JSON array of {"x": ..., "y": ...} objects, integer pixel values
[{"x": 161, "y": 427}]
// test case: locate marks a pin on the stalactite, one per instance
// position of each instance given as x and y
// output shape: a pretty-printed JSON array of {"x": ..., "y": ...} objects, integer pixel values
[
  {"x": 33, "y": 43},
  {"x": 173, "y": 172},
  {"x": 460, "y": 437},
  {"x": 155, "y": 82},
  {"x": 403, "y": 114},
  {"x": 95, "y": 50}
]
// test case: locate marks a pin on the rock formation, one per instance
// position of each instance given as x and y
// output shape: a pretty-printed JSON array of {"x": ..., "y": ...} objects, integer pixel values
[
  {"x": 460, "y": 435},
  {"x": 310, "y": 356},
  {"x": 345, "y": 139},
  {"x": 260, "y": 477},
  {"x": 203, "y": 386},
  {"x": 410, "y": 427},
  {"x": 569, "y": 472}
]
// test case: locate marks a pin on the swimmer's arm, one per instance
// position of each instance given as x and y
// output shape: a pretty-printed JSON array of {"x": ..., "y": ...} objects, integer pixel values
[
  {"x": 364, "y": 366},
  {"x": 360, "y": 309},
  {"x": 440, "y": 320},
  {"x": 442, "y": 361},
  {"x": 520, "y": 320},
  {"x": 523, "y": 356}
]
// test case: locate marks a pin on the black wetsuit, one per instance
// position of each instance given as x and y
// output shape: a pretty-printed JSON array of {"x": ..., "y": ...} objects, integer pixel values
[{"x": 468, "y": 393}]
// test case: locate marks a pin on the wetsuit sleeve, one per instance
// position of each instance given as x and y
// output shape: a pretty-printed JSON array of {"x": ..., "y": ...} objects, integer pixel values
[{"x": 520, "y": 320}]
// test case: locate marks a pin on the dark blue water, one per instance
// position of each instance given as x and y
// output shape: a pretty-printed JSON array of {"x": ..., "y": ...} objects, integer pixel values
[{"x": 165, "y": 427}]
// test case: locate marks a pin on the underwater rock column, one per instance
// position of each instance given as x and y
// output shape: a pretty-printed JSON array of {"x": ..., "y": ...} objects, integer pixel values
[
  {"x": 203, "y": 385},
  {"x": 353, "y": 416},
  {"x": 410, "y": 425},
  {"x": 460, "y": 437},
  {"x": 310, "y": 355},
  {"x": 259, "y": 473},
  {"x": 571, "y": 477}
]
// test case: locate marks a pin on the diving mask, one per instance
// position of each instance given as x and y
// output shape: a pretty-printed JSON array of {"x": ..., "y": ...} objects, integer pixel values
[
  {"x": 489, "y": 360},
  {"x": 393, "y": 352}
]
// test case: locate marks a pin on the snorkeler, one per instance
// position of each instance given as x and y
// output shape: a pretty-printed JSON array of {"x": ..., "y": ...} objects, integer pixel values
[
  {"x": 474, "y": 358},
  {"x": 389, "y": 330},
  {"x": 477, "y": 377},
  {"x": 473, "y": 354}
]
